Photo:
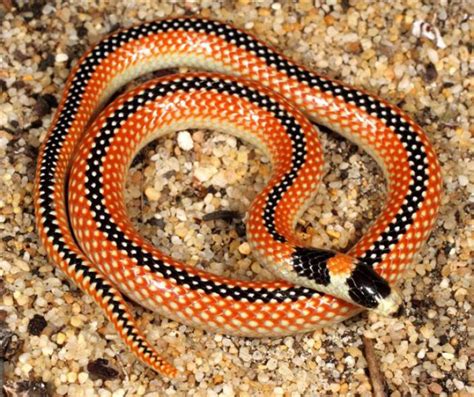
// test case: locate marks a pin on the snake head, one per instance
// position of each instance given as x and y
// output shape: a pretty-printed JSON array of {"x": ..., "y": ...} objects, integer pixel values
[
  {"x": 368, "y": 289},
  {"x": 347, "y": 278}
]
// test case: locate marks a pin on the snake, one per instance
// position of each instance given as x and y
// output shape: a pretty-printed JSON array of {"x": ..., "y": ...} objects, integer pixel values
[{"x": 246, "y": 88}]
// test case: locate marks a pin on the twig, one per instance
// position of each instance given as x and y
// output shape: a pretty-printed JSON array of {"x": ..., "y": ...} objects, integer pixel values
[{"x": 376, "y": 377}]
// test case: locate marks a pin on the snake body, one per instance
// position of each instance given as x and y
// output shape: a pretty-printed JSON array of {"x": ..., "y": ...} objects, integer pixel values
[{"x": 81, "y": 217}]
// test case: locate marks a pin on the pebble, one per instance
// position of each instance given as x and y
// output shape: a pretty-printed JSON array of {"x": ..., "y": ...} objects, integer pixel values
[
  {"x": 61, "y": 57},
  {"x": 431, "y": 73},
  {"x": 76, "y": 321},
  {"x": 185, "y": 141},
  {"x": 463, "y": 180},
  {"x": 36, "y": 325},
  {"x": 101, "y": 369},
  {"x": 152, "y": 194},
  {"x": 436, "y": 388},
  {"x": 60, "y": 338},
  {"x": 204, "y": 174},
  {"x": 245, "y": 249}
]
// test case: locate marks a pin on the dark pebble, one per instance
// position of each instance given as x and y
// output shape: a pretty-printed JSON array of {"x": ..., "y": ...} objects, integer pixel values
[
  {"x": 430, "y": 73},
  {"x": 36, "y": 325},
  {"x": 41, "y": 107},
  {"x": 169, "y": 174},
  {"x": 447, "y": 248},
  {"x": 51, "y": 100},
  {"x": 241, "y": 229},
  {"x": 421, "y": 306},
  {"x": 159, "y": 223},
  {"x": 46, "y": 63},
  {"x": 345, "y": 5},
  {"x": 3, "y": 85},
  {"x": 82, "y": 31},
  {"x": 36, "y": 124},
  {"x": 443, "y": 339},
  {"x": 99, "y": 369},
  {"x": 35, "y": 7},
  {"x": 27, "y": 388},
  {"x": 211, "y": 189},
  {"x": 19, "y": 84},
  {"x": 224, "y": 215},
  {"x": 19, "y": 56},
  {"x": 44, "y": 104}
]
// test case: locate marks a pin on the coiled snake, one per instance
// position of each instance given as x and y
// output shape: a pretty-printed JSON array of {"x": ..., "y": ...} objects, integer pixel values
[{"x": 252, "y": 92}]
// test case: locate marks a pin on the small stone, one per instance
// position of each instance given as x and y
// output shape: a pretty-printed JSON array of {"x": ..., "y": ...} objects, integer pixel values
[
  {"x": 432, "y": 55},
  {"x": 50, "y": 100},
  {"x": 245, "y": 249},
  {"x": 60, "y": 338},
  {"x": 203, "y": 174},
  {"x": 76, "y": 321},
  {"x": 152, "y": 194},
  {"x": 463, "y": 180},
  {"x": 61, "y": 57},
  {"x": 459, "y": 384},
  {"x": 430, "y": 73},
  {"x": 244, "y": 354},
  {"x": 42, "y": 107},
  {"x": 353, "y": 47},
  {"x": 426, "y": 331},
  {"x": 278, "y": 391},
  {"x": 185, "y": 141},
  {"x": 100, "y": 369},
  {"x": 44, "y": 104},
  {"x": 46, "y": 63},
  {"x": 82, "y": 31},
  {"x": 333, "y": 233},
  {"x": 36, "y": 325},
  {"x": 436, "y": 388},
  {"x": 82, "y": 377},
  {"x": 71, "y": 377},
  {"x": 272, "y": 364}
]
